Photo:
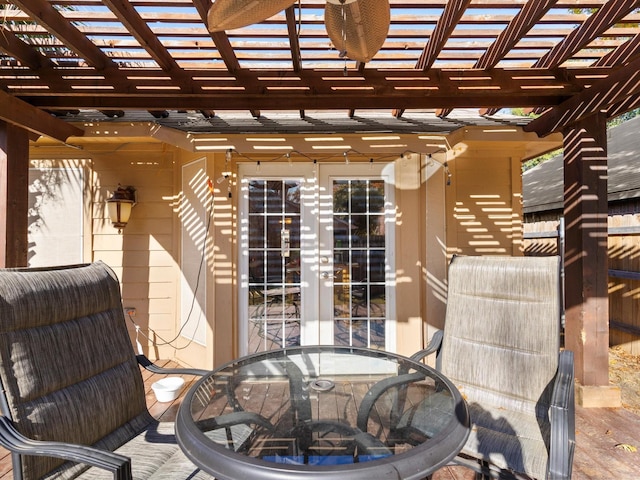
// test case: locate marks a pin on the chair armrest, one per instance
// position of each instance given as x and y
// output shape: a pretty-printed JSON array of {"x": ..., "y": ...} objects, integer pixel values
[
  {"x": 299, "y": 393},
  {"x": 370, "y": 445},
  {"x": 232, "y": 419},
  {"x": 562, "y": 417},
  {"x": 234, "y": 436},
  {"x": 433, "y": 347},
  {"x": 15, "y": 442},
  {"x": 153, "y": 368},
  {"x": 367, "y": 443},
  {"x": 374, "y": 393}
]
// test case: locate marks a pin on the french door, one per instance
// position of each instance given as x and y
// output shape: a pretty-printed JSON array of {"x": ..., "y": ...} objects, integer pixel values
[{"x": 316, "y": 256}]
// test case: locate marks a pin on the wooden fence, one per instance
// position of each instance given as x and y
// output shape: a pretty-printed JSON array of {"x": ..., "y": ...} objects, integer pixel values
[{"x": 547, "y": 238}]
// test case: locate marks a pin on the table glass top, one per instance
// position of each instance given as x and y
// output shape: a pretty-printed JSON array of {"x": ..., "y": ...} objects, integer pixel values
[{"x": 324, "y": 406}]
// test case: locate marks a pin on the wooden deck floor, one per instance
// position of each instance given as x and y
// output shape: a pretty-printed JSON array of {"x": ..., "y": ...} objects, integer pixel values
[{"x": 602, "y": 436}]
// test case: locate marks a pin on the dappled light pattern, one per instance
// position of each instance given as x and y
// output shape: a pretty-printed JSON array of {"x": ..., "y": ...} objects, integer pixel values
[{"x": 487, "y": 217}]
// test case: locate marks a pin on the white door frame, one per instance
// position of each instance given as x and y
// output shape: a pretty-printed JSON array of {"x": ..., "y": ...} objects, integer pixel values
[
  {"x": 355, "y": 171},
  {"x": 315, "y": 242}
]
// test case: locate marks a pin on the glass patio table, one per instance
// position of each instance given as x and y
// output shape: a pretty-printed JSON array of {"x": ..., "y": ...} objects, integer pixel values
[{"x": 321, "y": 412}]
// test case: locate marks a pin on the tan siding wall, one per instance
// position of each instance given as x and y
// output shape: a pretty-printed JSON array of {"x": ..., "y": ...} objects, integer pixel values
[
  {"x": 221, "y": 254},
  {"x": 408, "y": 254},
  {"x": 479, "y": 213},
  {"x": 144, "y": 255},
  {"x": 61, "y": 158},
  {"x": 484, "y": 203},
  {"x": 435, "y": 250},
  {"x": 225, "y": 255}
]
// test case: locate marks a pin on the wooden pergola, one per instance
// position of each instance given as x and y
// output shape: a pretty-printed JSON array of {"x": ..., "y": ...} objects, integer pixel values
[{"x": 575, "y": 63}]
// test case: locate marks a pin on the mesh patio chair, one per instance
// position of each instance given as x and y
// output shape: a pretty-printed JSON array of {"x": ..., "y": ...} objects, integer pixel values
[
  {"x": 74, "y": 400},
  {"x": 501, "y": 347}
]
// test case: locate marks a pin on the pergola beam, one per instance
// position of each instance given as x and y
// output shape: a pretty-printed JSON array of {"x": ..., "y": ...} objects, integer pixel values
[
  {"x": 620, "y": 55},
  {"x": 57, "y": 25},
  {"x": 523, "y": 22},
  {"x": 630, "y": 103},
  {"x": 294, "y": 43},
  {"x": 288, "y": 90},
  {"x": 223, "y": 45},
  {"x": 288, "y": 101},
  {"x": 31, "y": 58},
  {"x": 451, "y": 15},
  {"x": 614, "y": 89},
  {"x": 296, "y": 56},
  {"x": 528, "y": 17},
  {"x": 32, "y": 119},
  {"x": 453, "y": 11},
  {"x": 609, "y": 14},
  {"x": 75, "y": 40},
  {"x": 139, "y": 29},
  {"x": 220, "y": 39},
  {"x": 14, "y": 195}
]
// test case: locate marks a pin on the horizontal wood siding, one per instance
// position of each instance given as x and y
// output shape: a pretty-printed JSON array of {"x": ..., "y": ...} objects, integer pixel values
[
  {"x": 144, "y": 255},
  {"x": 624, "y": 293},
  {"x": 624, "y": 272},
  {"x": 484, "y": 200}
]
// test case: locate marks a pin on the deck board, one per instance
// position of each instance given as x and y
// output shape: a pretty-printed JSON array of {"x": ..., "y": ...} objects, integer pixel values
[{"x": 600, "y": 435}]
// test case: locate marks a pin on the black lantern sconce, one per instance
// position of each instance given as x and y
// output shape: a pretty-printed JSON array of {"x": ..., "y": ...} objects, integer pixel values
[{"x": 119, "y": 206}]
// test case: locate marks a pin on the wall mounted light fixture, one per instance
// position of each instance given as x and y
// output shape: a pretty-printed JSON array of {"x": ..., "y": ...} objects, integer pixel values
[
  {"x": 119, "y": 206},
  {"x": 447, "y": 172}
]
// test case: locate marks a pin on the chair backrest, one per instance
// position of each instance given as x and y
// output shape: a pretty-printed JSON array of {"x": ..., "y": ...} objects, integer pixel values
[
  {"x": 502, "y": 329},
  {"x": 67, "y": 365}
]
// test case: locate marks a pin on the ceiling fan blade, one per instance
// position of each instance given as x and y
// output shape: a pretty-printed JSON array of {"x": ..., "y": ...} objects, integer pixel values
[
  {"x": 230, "y": 14},
  {"x": 363, "y": 29}
]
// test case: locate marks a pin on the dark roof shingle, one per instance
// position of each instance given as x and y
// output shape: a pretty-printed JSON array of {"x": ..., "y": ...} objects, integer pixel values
[{"x": 543, "y": 185}]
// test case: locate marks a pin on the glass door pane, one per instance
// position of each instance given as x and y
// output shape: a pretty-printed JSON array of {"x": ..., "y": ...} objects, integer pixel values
[
  {"x": 357, "y": 273},
  {"x": 359, "y": 288},
  {"x": 274, "y": 264}
]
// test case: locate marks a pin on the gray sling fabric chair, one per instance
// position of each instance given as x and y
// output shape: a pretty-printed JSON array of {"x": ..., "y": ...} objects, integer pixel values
[
  {"x": 501, "y": 347},
  {"x": 73, "y": 390}
]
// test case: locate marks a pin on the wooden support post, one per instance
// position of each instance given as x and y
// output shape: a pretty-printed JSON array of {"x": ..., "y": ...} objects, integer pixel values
[
  {"x": 14, "y": 195},
  {"x": 586, "y": 259}
]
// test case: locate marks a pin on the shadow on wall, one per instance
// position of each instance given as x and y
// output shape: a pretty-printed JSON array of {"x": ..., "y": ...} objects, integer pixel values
[{"x": 55, "y": 215}]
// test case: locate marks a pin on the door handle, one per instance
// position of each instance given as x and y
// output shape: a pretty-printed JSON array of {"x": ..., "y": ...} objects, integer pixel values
[{"x": 285, "y": 243}]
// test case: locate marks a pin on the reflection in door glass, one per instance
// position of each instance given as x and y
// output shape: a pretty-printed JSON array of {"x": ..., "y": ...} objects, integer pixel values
[
  {"x": 274, "y": 264},
  {"x": 359, "y": 292}
]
